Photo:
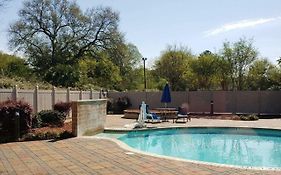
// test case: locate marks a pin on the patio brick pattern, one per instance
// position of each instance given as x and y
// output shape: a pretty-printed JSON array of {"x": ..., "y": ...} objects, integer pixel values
[{"x": 96, "y": 156}]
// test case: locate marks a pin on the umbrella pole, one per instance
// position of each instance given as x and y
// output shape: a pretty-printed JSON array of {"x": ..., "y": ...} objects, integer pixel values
[{"x": 165, "y": 112}]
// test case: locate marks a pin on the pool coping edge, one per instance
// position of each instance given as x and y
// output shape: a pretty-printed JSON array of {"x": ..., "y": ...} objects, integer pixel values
[{"x": 130, "y": 149}]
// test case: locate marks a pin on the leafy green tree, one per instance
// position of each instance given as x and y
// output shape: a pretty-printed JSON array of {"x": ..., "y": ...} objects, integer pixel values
[
  {"x": 11, "y": 66},
  {"x": 279, "y": 61},
  {"x": 126, "y": 57},
  {"x": 101, "y": 73},
  {"x": 3, "y": 2},
  {"x": 154, "y": 82},
  {"x": 205, "y": 69},
  {"x": 257, "y": 77},
  {"x": 173, "y": 65},
  {"x": 63, "y": 75},
  {"x": 240, "y": 56},
  {"x": 274, "y": 77},
  {"x": 223, "y": 74},
  {"x": 53, "y": 33}
]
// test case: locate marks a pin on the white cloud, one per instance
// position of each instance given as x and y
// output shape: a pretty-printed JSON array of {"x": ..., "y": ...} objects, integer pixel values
[{"x": 239, "y": 25}]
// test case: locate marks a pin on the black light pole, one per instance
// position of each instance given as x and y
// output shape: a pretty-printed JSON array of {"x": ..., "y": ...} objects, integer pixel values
[{"x": 144, "y": 76}]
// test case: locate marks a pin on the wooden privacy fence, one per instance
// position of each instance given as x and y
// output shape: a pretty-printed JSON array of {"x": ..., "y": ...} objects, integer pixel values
[
  {"x": 258, "y": 102},
  {"x": 45, "y": 99}
]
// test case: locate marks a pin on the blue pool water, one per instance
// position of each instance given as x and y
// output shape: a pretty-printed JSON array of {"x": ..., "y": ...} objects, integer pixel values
[{"x": 232, "y": 146}]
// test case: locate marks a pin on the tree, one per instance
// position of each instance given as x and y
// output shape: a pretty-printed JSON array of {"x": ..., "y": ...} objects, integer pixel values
[
  {"x": 205, "y": 69},
  {"x": 257, "y": 77},
  {"x": 101, "y": 73},
  {"x": 240, "y": 55},
  {"x": 274, "y": 77},
  {"x": 173, "y": 65},
  {"x": 279, "y": 61},
  {"x": 13, "y": 66},
  {"x": 126, "y": 57},
  {"x": 3, "y": 2},
  {"x": 57, "y": 32},
  {"x": 223, "y": 75}
]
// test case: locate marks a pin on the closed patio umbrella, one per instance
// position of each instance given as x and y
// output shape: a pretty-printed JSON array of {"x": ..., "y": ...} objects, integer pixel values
[{"x": 166, "y": 95}]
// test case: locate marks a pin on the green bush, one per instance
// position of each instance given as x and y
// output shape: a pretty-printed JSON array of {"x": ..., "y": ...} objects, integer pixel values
[
  {"x": 22, "y": 83},
  {"x": 65, "y": 135},
  {"x": 51, "y": 135},
  {"x": 50, "y": 117},
  {"x": 253, "y": 117},
  {"x": 47, "y": 136},
  {"x": 36, "y": 121},
  {"x": 250, "y": 117}
]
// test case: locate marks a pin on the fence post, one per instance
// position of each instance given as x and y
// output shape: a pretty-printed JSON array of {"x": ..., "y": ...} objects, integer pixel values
[
  {"x": 259, "y": 102},
  {"x": 15, "y": 93},
  {"x": 100, "y": 94},
  {"x": 212, "y": 102},
  {"x": 187, "y": 95},
  {"x": 80, "y": 95},
  {"x": 235, "y": 101},
  {"x": 68, "y": 95},
  {"x": 53, "y": 96},
  {"x": 91, "y": 93},
  {"x": 35, "y": 97}
]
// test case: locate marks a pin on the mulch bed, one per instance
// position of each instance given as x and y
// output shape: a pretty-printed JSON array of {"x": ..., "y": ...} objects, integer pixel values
[
  {"x": 67, "y": 127},
  {"x": 218, "y": 116}
]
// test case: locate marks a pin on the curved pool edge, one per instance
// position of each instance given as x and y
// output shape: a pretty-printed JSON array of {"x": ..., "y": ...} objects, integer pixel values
[
  {"x": 124, "y": 130},
  {"x": 130, "y": 149}
]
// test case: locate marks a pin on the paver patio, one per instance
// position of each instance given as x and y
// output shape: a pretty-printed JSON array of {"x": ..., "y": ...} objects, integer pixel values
[
  {"x": 116, "y": 122},
  {"x": 98, "y": 156}
]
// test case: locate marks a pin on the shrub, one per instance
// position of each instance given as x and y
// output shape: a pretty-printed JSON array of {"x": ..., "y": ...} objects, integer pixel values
[
  {"x": 51, "y": 135},
  {"x": 50, "y": 117},
  {"x": 46, "y": 135},
  {"x": 250, "y": 117},
  {"x": 253, "y": 117},
  {"x": 10, "y": 110},
  {"x": 65, "y": 135},
  {"x": 36, "y": 121},
  {"x": 63, "y": 107},
  {"x": 28, "y": 137}
]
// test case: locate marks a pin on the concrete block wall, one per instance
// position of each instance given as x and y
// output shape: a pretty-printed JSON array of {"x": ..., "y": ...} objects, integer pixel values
[{"x": 88, "y": 116}]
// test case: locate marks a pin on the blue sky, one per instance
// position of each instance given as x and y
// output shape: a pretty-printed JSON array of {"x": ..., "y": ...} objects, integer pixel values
[{"x": 198, "y": 24}]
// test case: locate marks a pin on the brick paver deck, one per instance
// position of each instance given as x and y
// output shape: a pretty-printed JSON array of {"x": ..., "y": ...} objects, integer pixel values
[
  {"x": 96, "y": 156},
  {"x": 116, "y": 122}
]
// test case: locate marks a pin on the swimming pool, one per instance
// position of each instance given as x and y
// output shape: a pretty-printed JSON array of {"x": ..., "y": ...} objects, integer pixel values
[{"x": 232, "y": 146}]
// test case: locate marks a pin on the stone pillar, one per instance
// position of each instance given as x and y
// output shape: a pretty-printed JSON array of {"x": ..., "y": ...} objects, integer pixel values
[{"x": 88, "y": 116}]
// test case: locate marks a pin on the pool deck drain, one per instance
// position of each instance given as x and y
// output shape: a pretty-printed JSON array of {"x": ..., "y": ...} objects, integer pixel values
[{"x": 104, "y": 157}]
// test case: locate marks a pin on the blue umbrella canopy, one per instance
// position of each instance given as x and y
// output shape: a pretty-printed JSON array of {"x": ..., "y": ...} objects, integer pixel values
[{"x": 166, "y": 95}]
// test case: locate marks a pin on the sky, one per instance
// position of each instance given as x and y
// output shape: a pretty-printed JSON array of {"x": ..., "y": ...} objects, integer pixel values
[{"x": 200, "y": 25}]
